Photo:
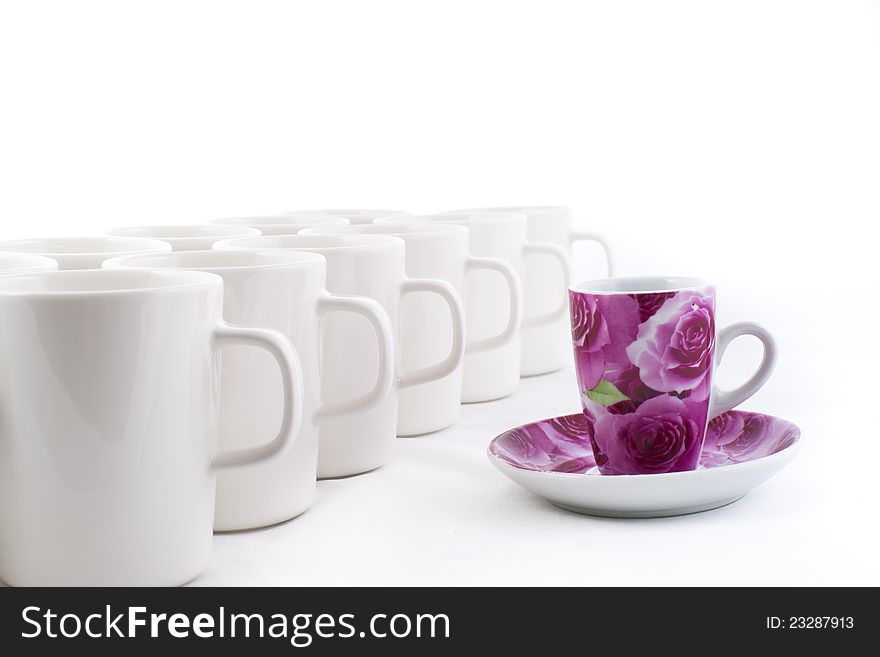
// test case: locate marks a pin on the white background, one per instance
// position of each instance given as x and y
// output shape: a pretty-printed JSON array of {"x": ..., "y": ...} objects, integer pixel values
[{"x": 737, "y": 141}]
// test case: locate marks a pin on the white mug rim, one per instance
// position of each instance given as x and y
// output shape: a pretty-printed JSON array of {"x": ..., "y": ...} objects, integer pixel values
[
  {"x": 116, "y": 244},
  {"x": 176, "y": 260},
  {"x": 639, "y": 285},
  {"x": 185, "y": 231},
  {"x": 344, "y": 242},
  {"x": 393, "y": 229},
  {"x": 143, "y": 281},
  {"x": 463, "y": 218},
  {"x": 345, "y": 212},
  {"x": 13, "y": 261},
  {"x": 276, "y": 220},
  {"x": 516, "y": 209}
]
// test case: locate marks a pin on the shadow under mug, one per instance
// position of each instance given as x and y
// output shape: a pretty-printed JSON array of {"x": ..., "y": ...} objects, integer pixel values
[{"x": 645, "y": 352}]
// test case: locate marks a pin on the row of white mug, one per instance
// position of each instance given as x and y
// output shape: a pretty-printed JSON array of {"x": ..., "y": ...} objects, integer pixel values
[{"x": 102, "y": 381}]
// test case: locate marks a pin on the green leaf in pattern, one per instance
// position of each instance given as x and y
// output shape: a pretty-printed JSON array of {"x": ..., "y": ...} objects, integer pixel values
[{"x": 606, "y": 394}]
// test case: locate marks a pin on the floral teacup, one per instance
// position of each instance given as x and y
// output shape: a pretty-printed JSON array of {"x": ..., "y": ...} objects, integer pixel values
[{"x": 645, "y": 350}]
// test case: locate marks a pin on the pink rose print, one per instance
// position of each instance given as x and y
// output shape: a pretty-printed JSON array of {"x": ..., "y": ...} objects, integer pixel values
[
  {"x": 650, "y": 303},
  {"x": 568, "y": 444},
  {"x": 722, "y": 429},
  {"x": 663, "y": 435},
  {"x": 601, "y": 329},
  {"x": 675, "y": 347},
  {"x": 630, "y": 384},
  {"x": 558, "y": 445},
  {"x": 644, "y": 364},
  {"x": 589, "y": 332},
  {"x": 577, "y": 427},
  {"x": 753, "y": 440}
]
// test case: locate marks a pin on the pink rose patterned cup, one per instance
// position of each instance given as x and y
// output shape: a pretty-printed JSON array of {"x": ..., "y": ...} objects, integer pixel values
[{"x": 645, "y": 349}]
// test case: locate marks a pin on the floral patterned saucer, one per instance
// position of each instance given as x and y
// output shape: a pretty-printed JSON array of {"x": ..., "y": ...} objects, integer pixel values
[{"x": 554, "y": 459}]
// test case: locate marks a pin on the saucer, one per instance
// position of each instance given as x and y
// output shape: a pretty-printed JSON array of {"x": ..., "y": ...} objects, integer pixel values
[{"x": 553, "y": 459}]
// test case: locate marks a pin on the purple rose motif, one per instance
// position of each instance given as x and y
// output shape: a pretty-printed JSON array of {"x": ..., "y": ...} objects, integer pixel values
[
  {"x": 589, "y": 333},
  {"x": 722, "y": 429},
  {"x": 649, "y": 304},
  {"x": 588, "y": 328},
  {"x": 630, "y": 384},
  {"x": 541, "y": 446},
  {"x": 526, "y": 448},
  {"x": 675, "y": 347},
  {"x": 760, "y": 436},
  {"x": 623, "y": 407},
  {"x": 601, "y": 329},
  {"x": 663, "y": 435},
  {"x": 569, "y": 443},
  {"x": 577, "y": 427}
]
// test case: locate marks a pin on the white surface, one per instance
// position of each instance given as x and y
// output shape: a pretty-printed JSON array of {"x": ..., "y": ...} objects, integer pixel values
[
  {"x": 738, "y": 142},
  {"x": 440, "y": 514}
]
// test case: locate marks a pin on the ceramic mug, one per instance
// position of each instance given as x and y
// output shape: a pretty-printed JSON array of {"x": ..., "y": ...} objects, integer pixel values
[
  {"x": 435, "y": 251},
  {"x": 645, "y": 352},
  {"x": 108, "y": 437},
  {"x": 85, "y": 252},
  {"x": 354, "y": 216},
  {"x": 285, "y": 291},
  {"x": 188, "y": 238},
  {"x": 25, "y": 263},
  {"x": 370, "y": 266},
  {"x": 545, "y": 345},
  {"x": 494, "y": 373},
  {"x": 283, "y": 225}
]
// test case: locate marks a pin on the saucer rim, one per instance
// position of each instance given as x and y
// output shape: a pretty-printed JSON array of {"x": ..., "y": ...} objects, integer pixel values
[{"x": 788, "y": 451}]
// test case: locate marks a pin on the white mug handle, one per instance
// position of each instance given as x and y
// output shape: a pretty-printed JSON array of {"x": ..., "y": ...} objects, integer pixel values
[
  {"x": 378, "y": 318},
  {"x": 514, "y": 288},
  {"x": 584, "y": 236},
  {"x": 453, "y": 360},
  {"x": 292, "y": 386},
  {"x": 725, "y": 400},
  {"x": 559, "y": 253}
]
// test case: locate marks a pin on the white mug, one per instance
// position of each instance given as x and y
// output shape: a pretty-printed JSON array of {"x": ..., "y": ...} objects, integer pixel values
[
  {"x": 188, "y": 238},
  {"x": 494, "y": 373},
  {"x": 25, "y": 263},
  {"x": 285, "y": 291},
  {"x": 108, "y": 438},
  {"x": 353, "y": 215},
  {"x": 370, "y": 266},
  {"x": 85, "y": 252},
  {"x": 545, "y": 346},
  {"x": 282, "y": 225},
  {"x": 435, "y": 251}
]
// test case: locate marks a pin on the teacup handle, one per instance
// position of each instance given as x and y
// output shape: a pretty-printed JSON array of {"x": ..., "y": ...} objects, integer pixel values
[
  {"x": 725, "y": 400},
  {"x": 531, "y": 248},
  {"x": 292, "y": 387},
  {"x": 584, "y": 236},
  {"x": 378, "y": 318},
  {"x": 514, "y": 318},
  {"x": 453, "y": 360}
]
